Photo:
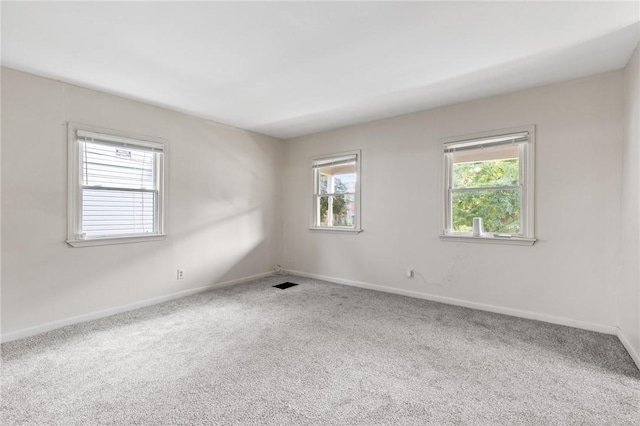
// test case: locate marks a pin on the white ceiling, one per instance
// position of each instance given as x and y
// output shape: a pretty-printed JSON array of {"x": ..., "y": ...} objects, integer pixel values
[{"x": 289, "y": 69}]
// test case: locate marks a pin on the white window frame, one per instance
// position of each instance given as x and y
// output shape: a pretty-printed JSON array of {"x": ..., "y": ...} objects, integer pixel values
[
  {"x": 314, "y": 226},
  {"x": 527, "y": 182},
  {"x": 74, "y": 204}
]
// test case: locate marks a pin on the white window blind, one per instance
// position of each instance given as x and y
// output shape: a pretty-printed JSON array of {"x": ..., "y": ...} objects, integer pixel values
[
  {"x": 120, "y": 186},
  {"x": 328, "y": 162},
  {"x": 487, "y": 142}
]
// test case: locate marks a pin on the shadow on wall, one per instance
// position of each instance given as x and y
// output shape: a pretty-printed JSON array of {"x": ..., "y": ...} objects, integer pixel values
[
  {"x": 234, "y": 185},
  {"x": 212, "y": 251},
  {"x": 219, "y": 212}
]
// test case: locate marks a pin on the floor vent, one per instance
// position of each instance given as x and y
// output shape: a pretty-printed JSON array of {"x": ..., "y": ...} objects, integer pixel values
[{"x": 285, "y": 286}]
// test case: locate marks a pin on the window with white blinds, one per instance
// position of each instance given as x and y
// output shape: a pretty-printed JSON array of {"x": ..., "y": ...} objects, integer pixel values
[{"x": 117, "y": 186}]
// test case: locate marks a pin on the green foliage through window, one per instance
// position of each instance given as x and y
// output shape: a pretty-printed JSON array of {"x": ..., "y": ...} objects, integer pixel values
[
  {"x": 498, "y": 208},
  {"x": 486, "y": 173},
  {"x": 340, "y": 216}
]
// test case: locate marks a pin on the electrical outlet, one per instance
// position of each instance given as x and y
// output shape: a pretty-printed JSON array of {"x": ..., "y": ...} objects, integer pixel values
[
  {"x": 180, "y": 274},
  {"x": 410, "y": 273}
]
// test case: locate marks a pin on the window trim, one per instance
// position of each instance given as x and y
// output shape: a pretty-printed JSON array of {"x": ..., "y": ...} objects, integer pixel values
[
  {"x": 527, "y": 179},
  {"x": 74, "y": 193},
  {"x": 357, "y": 196}
]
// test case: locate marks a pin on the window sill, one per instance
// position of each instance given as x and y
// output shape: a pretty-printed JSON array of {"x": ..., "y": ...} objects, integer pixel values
[
  {"x": 337, "y": 230},
  {"x": 115, "y": 240},
  {"x": 513, "y": 241}
]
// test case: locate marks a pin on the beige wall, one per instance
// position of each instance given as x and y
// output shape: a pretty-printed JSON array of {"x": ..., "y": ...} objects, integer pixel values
[
  {"x": 223, "y": 205},
  {"x": 629, "y": 305},
  {"x": 569, "y": 274},
  {"x": 227, "y": 218}
]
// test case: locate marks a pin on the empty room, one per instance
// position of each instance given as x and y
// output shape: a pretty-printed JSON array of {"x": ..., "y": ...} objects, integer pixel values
[{"x": 314, "y": 213}]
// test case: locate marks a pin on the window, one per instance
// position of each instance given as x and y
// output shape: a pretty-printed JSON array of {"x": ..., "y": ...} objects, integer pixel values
[
  {"x": 116, "y": 188},
  {"x": 336, "y": 193},
  {"x": 490, "y": 177}
]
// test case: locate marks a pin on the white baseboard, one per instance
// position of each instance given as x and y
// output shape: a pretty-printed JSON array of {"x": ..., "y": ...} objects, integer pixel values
[
  {"x": 42, "y": 328},
  {"x": 467, "y": 304},
  {"x": 32, "y": 331},
  {"x": 627, "y": 345}
]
